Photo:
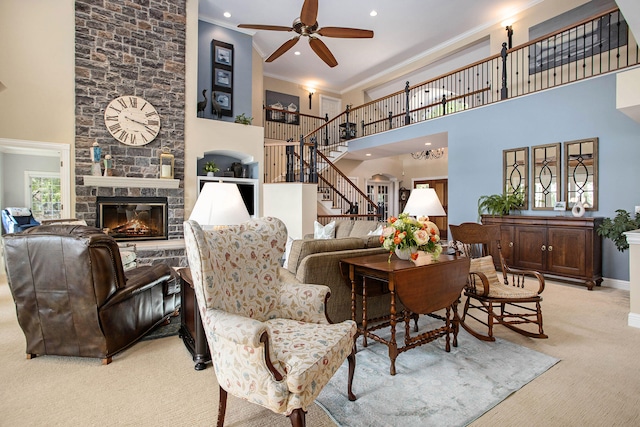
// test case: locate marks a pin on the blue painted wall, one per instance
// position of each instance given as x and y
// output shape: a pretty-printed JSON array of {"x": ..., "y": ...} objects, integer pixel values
[
  {"x": 575, "y": 111},
  {"x": 242, "y": 45}
]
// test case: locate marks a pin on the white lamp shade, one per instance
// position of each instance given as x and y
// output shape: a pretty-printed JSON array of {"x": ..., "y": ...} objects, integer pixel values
[
  {"x": 424, "y": 202},
  {"x": 219, "y": 203}
]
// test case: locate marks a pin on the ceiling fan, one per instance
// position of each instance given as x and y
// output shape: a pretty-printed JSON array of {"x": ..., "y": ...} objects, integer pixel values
[{"x": 307, "y": 25}]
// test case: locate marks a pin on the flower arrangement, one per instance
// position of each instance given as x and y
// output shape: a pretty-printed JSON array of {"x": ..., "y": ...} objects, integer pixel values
[{"x": 406, "y": 232}]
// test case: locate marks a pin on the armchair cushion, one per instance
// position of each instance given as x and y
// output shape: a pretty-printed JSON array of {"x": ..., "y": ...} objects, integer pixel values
[
  {"x": 497, "y": 289},
  {"x": 319, "y": 352}
]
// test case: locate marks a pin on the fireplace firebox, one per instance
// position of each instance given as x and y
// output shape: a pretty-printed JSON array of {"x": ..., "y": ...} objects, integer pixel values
[{"x": 133, "y": 218}]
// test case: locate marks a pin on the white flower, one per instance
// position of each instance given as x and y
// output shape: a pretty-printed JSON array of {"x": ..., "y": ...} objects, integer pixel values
[
  {"x": 388, "y": 231},
  {"x": 421, "y": 237}
]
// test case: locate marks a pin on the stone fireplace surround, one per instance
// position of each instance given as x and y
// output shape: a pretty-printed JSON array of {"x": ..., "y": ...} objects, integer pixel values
[{"x": 132, "y": 48}]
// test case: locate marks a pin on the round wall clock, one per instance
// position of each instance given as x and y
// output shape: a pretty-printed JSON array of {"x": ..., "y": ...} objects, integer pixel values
[{"x": 132, "y": 120}]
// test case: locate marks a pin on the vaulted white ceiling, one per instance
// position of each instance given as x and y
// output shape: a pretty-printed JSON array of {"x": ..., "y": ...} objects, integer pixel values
[{"x": 404, "y": 30}]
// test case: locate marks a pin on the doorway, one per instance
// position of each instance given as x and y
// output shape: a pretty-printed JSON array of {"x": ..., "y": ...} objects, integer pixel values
[
  {"x": 330, "y": 106},
  {"x": 441, "y": 186},
  {"x": 379, "y": 192},
  {"x": 35, "y": 150}
]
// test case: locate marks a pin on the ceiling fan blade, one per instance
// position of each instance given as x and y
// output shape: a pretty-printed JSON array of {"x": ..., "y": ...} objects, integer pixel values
[
  {"x": 309, "y": 12},
  {"x": 282, "y": 49},
  {"x": 322, "y": 51},
  {"x": 350, "y": 33},
  {"x": 266, "y": 27}
]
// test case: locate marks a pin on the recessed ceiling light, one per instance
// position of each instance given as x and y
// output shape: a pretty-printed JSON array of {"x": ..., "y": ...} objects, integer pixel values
[
  {"x": 373, "y": 13},
  {"x": 227, "y": 15},
  {"x": 297, "y": 52},
  {"x": 427, "y": 143},
  {"x": 368, "y": 154}
]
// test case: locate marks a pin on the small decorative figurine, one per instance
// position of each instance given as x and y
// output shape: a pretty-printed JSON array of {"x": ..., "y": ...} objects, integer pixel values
[
  {"x": 108, "y": 165},
  {"x": 96, "y": 153}
]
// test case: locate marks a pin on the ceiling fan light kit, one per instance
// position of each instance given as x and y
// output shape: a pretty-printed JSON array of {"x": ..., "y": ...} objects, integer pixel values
[{"x": 307, "y": 25}]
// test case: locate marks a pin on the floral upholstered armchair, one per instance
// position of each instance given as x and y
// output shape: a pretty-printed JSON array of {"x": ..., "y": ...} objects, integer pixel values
[{"x": 270, "y": 342}]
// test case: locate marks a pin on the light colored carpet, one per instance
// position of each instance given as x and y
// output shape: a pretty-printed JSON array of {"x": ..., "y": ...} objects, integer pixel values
[
  {"x": 154, "y": 383},
  {"x": 431, "y": 387}
]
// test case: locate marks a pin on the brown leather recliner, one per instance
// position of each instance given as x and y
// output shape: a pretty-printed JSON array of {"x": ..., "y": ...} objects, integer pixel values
[{"x": 74, "y": 299}]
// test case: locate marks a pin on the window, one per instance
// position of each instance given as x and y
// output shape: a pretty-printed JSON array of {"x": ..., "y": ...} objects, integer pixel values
[{"x": 42, "y": 194}]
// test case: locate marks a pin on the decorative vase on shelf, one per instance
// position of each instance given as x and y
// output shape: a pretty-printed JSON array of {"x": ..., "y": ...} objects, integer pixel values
[
  {"x": 405, "y": 253},
  {"x": 209, "y": 173},
  {"x": 578, "y": 209}
]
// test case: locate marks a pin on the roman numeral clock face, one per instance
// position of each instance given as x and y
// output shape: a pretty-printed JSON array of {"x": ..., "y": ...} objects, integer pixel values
[{"x": 132, "y": 120}]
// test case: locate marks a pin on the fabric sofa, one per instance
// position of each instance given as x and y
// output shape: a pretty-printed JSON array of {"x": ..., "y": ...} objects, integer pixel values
[
  {"x": 317, "y": 261},
  {"x": 361, "y": 229}
]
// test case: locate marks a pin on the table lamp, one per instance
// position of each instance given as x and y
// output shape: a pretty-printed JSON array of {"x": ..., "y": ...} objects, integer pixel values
[
  {"x": 424, "y": 202},
  {"x": 219, "y": 204}
]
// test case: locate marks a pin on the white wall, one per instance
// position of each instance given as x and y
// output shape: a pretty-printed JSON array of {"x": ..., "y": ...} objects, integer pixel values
[
  {"x": 296, "y": 204},
  {"x": 13, "y": 168},
  {"x": 37, "y": 41},
  {"x": 37, "y": 68}
]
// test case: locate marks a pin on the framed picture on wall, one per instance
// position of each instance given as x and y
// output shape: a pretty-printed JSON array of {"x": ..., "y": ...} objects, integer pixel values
[
  {"x": 282, "y": 107},
  {"x": 223, "y": 54},
  {"x": 223, "y": 99},
  {"x": 222, "y": 79}
]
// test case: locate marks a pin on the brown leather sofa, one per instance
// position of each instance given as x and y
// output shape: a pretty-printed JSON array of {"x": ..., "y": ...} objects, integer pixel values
[{"x": 73, "y": 297}]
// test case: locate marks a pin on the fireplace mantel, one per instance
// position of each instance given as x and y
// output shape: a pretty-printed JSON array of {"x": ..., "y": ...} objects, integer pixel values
[{"x": 123, "y": 181}]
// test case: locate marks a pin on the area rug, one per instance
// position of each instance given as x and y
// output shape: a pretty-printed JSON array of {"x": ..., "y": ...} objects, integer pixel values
[
  {"x": 173, "y": 328},
  {"x": 431, "y": 387}
]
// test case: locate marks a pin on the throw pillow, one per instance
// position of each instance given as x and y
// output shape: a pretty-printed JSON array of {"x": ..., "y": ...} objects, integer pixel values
[
  {"x": 323, "y": 231},
  {"x": 287, "y": 251},
  {"x": 376, "y": 232}
]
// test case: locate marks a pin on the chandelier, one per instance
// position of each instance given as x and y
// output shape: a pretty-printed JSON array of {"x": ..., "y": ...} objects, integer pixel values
[{"x": 428, "y": 154}]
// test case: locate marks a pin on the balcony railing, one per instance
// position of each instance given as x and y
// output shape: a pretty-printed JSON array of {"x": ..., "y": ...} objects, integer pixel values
[
  {"x": 589, "y": 48},
  {"x": 592, "y": 47}
]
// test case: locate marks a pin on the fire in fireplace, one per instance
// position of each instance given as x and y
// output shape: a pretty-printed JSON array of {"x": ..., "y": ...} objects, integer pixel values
[{"x": 133, "y": 218}]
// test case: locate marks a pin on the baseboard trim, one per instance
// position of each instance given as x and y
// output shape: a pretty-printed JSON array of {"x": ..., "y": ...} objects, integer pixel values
[
  {"x": 634, "y": 320},
  {"x": 616, "y": 284}
]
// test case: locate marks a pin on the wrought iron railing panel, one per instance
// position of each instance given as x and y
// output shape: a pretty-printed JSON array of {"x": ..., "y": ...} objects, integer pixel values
[{"x": 592, "y": 47}]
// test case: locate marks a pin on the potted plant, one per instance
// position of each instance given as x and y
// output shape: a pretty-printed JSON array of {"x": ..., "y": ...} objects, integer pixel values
[
  {"x": 210, "y": 168},
  {"x": 615, "y": 228},
  {"x": 500, "y": 204},
  {"x": 242, "y": 119}
]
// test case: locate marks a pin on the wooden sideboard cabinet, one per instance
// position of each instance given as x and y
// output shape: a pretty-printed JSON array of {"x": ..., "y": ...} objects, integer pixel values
[{"x": 563, "y": 248}]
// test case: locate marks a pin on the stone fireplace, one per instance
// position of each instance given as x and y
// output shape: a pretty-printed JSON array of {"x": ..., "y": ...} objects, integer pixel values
[
  {"x": 136, "y": 48},
  {"x": 133, "y": 218}
]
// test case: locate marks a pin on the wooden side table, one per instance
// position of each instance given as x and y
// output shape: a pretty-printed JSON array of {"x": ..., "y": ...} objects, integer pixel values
[
  {"x": 422, "y": 290},
  {"x": 191, "y": 330}
]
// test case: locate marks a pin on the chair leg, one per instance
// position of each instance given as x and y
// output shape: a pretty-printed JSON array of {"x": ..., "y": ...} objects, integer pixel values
[
  {"x": 490, "y": 321},
  {"x": 297, "y": 418},
  {"x": 222, "y": 407},
  {"x": 31, "y": 356},
  {"x": 106, "y": 360},
  {"x": 539, "y": 316},
  {"x": 352, "y": 369},
  {"x": 467, "y": 328},
  {"x": 455, "y": 323}
]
